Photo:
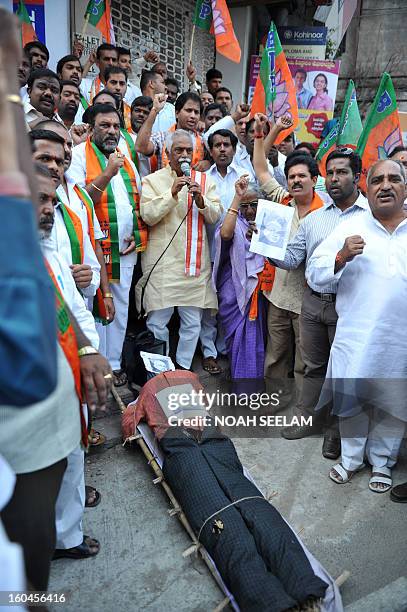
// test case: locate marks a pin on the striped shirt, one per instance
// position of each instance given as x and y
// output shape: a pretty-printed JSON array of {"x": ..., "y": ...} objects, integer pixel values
[{"x": 313, "y": 230}]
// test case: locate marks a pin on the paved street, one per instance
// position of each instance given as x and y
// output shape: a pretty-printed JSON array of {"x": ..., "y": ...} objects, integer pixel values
[{"x": 140, "y": 565}]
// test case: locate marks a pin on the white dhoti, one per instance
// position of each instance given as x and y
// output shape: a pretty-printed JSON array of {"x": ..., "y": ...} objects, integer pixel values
[
  {"x": 71, "y": 499},
  {"x": 71, "y": 502},
  {"x": 189, "y": 330},
  {"x": 112, "y": 336},
  {"x": 377, "y": 435}
]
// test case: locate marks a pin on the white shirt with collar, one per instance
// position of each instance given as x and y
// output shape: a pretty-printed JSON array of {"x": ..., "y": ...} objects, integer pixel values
[
  {"x": 144, "y": 160},
  {"x": 165, "y": 119},
  {"x": 242, "y": 157},
  {"x": 31, "y": 113},
  {"x": 225, "y": 186},
  {"x": 69, "y": 290},
  {"x": 24, "y": 94},
  {"x": 59, "y": 239},
  {"x": 371, "y": 293},
  {"x": 132, "y": 90},
  {"x": 124, "y": 210}
]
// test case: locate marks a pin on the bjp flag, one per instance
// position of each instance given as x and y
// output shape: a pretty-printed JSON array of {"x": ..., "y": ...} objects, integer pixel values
[
  {"x": 27, "y": 31},
  {"x": 350, "y": 125},
  {"x": 100, "y": 17},
  {"x": 325, "y": 148},
  {"x": 222, "y": 27},
  {"x": 274, "y": 94},
  {"x": 381, "y": 132}
]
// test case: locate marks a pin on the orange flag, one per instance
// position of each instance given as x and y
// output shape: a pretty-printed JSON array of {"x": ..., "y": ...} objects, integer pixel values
[
  {"x": 274, "y": 94},
  {"x": 222, "y": 26},
  {"x": 27, "y": 31},
  {"x": 381, "y": 132},
  {"x": 101, "y": 17}
]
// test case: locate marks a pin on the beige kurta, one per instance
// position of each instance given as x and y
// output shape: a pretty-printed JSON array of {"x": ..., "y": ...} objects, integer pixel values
[{"x": 168, "y": 285}]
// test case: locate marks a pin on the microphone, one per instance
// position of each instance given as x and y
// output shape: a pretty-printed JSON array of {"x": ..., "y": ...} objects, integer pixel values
[{"x": 185, "y": 166}]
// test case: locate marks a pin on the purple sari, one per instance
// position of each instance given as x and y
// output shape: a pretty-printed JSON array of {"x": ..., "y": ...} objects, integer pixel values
[{"x": 235, "y": 278}]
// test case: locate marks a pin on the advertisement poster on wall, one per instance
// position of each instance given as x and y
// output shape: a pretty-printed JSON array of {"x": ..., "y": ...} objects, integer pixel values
[
  {"x": 316, "y": 82},
  {"x": 254, "y": 73},
  {"x": 303, "y": 42}
]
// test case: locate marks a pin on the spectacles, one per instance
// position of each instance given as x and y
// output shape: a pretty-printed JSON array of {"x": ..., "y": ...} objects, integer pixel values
[
  {"x": 253, "y": 204},
  {"x": 344, "y": 150}
]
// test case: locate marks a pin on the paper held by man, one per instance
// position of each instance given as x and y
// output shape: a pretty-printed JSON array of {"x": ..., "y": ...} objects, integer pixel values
[{"x": 273, "y": 222}]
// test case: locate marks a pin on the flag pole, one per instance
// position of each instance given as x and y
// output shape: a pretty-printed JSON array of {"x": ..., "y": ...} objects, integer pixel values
[
  {"x": 192, "y": 43},
  {"x": 85, "y": 25}
]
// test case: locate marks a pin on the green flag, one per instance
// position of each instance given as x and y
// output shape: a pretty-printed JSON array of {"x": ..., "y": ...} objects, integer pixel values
[
  {"x": 350, "y": 125},
  {"x": 203, "y": 14},
  {"x": 325, "y": 148},
  {"x": 381, "y": 132},
  {"x": 100, "y": 17},
  {"x": 27, "y": 31}
]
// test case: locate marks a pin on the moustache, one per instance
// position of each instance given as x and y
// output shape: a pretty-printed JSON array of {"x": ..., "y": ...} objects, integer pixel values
[
  {"x": 46, "y": 220},
  {"x": 297, "y": 185}
]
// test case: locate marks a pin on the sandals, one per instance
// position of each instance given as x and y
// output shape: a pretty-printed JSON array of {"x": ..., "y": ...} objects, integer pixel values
[
  {"x": 380, "y": 475},
  {"x": 96, "y": 438},
  {"x": 78, "y": 552},
  {"x": 119, "y": 378},
  {"x": 343, "y": 474},
  {"x": 210, "y": 365},
  {"x": 92, "y": 492}
]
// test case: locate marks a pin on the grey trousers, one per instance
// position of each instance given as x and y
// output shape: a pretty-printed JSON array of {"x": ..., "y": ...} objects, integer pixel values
[
  {"x": 283, "y": 334},
  {"x": 317, "y": 331}
]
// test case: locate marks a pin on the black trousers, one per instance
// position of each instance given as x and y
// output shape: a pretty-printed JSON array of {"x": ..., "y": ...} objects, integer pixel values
[
  {"x": 29, "y": 519},
  {"x": 257, "y": 554}
]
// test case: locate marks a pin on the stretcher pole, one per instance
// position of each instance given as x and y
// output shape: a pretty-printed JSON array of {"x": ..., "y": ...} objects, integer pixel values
[{"x": 181, "y": 516}]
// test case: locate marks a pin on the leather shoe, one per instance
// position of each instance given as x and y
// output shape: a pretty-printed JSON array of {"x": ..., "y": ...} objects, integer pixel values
[
  {"x": 299, "y": 431},
  {"x": 331, "y": 448},
  {"x": 399, "y": 493}
]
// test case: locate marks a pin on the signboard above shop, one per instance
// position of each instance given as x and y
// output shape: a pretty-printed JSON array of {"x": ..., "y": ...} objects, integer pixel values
[{"x": 303, "y": 42}]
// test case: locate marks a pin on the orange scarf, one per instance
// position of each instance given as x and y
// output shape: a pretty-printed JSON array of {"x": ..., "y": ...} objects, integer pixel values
[
  {"x": 197, "y": 155},
  {"x": 67, "y": 342},
  {"x": 99, "y": 309},
  {"x": 127, "y": 116},
  {"x": 95, "y": 88},
  {"x": 75, "y": 232},
  {"x": 106, "y": 209}
]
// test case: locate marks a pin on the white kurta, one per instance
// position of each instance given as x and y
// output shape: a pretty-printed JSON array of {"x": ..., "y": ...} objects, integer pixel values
[
  {"x": 144, "y": 161},
  {"x": 165, "y": 119},
  {"x": 71, "y": 295},
  {"x": 168, "y": 285},
  {"x": 370, "y": 342},
  {"x": 80, "y": 209},
  {"x": 60, "y": 239},
  {"x": 124, "y": 210}
]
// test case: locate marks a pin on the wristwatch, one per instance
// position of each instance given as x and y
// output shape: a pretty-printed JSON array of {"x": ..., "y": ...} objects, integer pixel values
[{"x": 87, "y": 350}]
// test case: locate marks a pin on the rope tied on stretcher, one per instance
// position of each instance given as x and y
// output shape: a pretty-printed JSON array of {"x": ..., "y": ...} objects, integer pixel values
[{"x": 226, "y": 507}]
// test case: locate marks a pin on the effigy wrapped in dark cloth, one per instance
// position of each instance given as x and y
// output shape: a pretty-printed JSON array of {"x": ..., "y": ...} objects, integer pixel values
[{"x": 262, "y": 563}]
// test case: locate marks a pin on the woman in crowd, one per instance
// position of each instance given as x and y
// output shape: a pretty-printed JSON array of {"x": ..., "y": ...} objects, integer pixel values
[{"x": 239, "y": 276}]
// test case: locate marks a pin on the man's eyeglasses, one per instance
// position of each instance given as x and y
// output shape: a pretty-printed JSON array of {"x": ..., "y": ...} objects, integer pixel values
[{"x": 253, "y": 204}]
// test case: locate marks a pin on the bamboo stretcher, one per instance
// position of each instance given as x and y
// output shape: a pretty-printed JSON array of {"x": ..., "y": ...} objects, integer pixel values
[{"x": 146, "y": 442}]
